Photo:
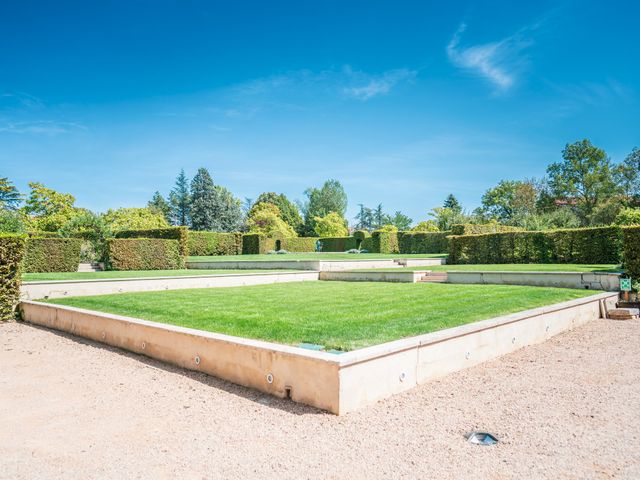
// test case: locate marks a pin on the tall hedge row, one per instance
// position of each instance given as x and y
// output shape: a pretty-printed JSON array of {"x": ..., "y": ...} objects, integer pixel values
[
  {"x": 479, "y": 229},
  {"x": 579, "y": 245},
  {"x": 12, "y": 248},
  {"x": 338, "y": 244},
  {"x": 423, "y": 242},
  {"x": 631, "y": 251},
  {"x": 298, "y": 244},
  {"x": 52, "y": 254},
  {"x": 214, "y": 243},
  {"x": 144, "y": 254},
  {"x": 181, "y": 234}
]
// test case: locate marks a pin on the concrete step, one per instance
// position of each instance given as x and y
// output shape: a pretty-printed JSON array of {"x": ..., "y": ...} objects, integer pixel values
[
  {"x": 434, "y": 277},
  {"x": 89, "y": 267}
]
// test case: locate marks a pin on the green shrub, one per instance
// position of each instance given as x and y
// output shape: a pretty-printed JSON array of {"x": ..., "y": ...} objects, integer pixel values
[
  {"x": 631, "y": 251},
  {"x": 12, "y": 248},
  {"x": 385, "y": 242},
  {"x": 337, "y": 244},
  {"x": 579, "y": 245},
  {"x": 298, "y": 244},
  {"x": 214, "y": 243},
  {"x": 52, "y": 255},
  {"x": 423, "y": 242},
  {"x": 172, "y": 233},
  {"x": 479, "y": 229},
  {"x": 144, "y": 254}
]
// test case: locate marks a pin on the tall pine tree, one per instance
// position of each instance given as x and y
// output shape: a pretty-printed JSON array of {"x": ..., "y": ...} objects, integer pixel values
[
  {"x": 204, "y": 202},
  {"x": 160, "y": 205},
  {"x": 180, "y": 200}
]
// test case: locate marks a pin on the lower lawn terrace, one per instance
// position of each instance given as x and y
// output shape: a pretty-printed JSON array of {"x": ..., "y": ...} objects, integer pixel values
[{"x": 335, "y": 315}]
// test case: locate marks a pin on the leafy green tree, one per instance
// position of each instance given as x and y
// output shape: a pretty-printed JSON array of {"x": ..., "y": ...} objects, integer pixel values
[
  {"x": 228, "y": 211},
  {"x": 264, "y": 219},
  {"x": 452, "y": 203},
  {"x": 93, "y": 229},
  {"x": 10, "y": 198},
  {"x": 322, "y": 201},
  {"x": 387, "y": 228},
  {"x": 401, "y": 221},
  {"x": 510, "y": 201},
  {"x": 627, "y": 176},
  {"x": 204, "y": 202},
  {"x": 426, "y": 226},
  {"x": 364, "y": 218},
  {"x": 180, "y": 201},
  {"x": 47, "y": 209},
  {"x": 445, "y": 218},
  {"x": 628, "y": 216},
  {"x": 133, "y": 219},
  {"x": 160, "y": 205},
  {"x": 331, "y": 225},
  {"x": 584, "y": 176},
  {"x": 288, "y": 210},
  {"x": 12, "y": 221}
]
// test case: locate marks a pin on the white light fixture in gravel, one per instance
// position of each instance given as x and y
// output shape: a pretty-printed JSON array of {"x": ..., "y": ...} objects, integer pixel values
[{"x": 482, "y": 438}]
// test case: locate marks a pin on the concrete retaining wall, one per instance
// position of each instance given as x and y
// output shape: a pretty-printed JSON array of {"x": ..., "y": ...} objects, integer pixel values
[
  {"x": 400, "y": 276},
  {"x": 318, "y": 265},
  {"x": 595, "y": 281},
  {"x": 77, "y": 288},
  {"x": 421, "y": 262},
  {"x": 337, "y": 383}
]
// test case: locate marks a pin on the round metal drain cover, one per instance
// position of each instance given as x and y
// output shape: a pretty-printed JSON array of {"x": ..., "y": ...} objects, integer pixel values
[{"x": 482, "y": 438}]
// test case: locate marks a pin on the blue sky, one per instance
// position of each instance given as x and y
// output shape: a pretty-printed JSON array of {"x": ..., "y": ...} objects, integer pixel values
[{"x": 403, "y": 102}]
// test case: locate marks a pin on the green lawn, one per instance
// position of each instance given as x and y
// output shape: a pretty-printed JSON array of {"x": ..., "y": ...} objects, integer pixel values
[
  {"x": 510, "y": 267},
  {"x": 313, "y": 256},
  {"x": 33, "y": 277},
  {"x": 342, "y": 315}
]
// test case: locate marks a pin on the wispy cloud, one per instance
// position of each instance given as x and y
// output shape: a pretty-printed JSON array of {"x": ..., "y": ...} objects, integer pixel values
[
  {"x": 595, "y": 94},
  {"x": 41, "y": 127},
  {"x": 366, "y": 86},
  {"x": 21, "y": 100},
  {"x": 498, "y": 62}
]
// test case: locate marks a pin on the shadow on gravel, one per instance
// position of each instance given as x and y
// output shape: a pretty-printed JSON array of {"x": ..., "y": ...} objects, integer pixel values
[{"x": 285, "y": 405}]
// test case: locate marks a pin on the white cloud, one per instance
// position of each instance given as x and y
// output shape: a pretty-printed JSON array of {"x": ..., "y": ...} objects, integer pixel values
[
  {"x": 498, "y": 62},
  {"x": 41, "y": 127},
  {"x": 367, "y": 86}
]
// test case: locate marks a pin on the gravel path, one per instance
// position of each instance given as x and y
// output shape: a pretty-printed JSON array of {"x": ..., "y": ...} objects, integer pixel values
[{"x": 569, "y": 408}]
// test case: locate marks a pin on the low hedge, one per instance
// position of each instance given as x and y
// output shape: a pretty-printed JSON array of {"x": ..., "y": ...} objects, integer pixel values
[
  {"x": 171, "y": 233},
  {"x": 579, "y": 245},
  {"x": 214, "y": 243},
  {"x": 338, "y": 244},
  {"x": 423, "y": 242},
  {"x": 12, "y": 248},
  {"x": 479, "y": 229},
  {"x": 144, "y": 254},
  {"x": 631, "y": 251},
  {"x": 52, "y": 254}
]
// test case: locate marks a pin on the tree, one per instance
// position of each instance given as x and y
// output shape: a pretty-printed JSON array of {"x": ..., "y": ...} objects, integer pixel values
[
  {"x": 12, "y": 221},
  {"x": 452, "y": 203},
  {"x": 133, "y": 219},
  {"x": 387, "y": 228},
  {"x": 364, "y": 218},
  {"x": 627, "y": 176},
  {"x": 401, "y": 221},
  {"x": 379, "y": 217},
  {"x": 264, "y": 219},
  {"x": 47, "y": 209},
  {"x": 445, "y": 218},
  {"x": 10, "y": 198},
  {"x": 510, "y": 201},
  {"x": 180, "y": 200},
  {"x": 322, "y": 201},
  {"x": 628, "y": 216},
  {"x": 584, "y": 176},
  {"x": 426, "y": 226},
  {"x": 331, "y": 225},
  {"x": 160, "y": 205},
  {"x": 204, "y": 208},
  {"x": 93, "y": 229},
  {"x": 288, "y": 211},
  {"x": 228, "y": 211}
]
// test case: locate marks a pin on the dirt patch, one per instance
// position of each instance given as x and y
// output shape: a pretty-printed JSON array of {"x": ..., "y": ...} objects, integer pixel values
[{"x": 69, "y": 408}]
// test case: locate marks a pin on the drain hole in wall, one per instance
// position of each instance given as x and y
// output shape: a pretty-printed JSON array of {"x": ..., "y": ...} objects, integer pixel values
[{"x": 287, "y": 393}]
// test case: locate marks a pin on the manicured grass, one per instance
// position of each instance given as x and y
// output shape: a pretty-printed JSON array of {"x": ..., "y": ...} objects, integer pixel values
[
  {"x": 510, "y": 267},
  {"x": 342, "y": 315},
  {"x": 313, "y": 256},
  {"x": 34, "y": 277}
]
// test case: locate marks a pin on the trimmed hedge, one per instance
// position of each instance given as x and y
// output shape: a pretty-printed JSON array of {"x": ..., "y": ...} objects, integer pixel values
[
  {"x": 338, "y": 244},
  {"x": 12, "y": 248},
  {"x": 214, "y": 243},
  {"x": 479, "y": 229},
  {"x": 172, "y": 233},
  {"x": 423, "y": 242},
  {"x": 298, "y": 244},
  {"x": 144, "y": 254},
  {"x": 631, "y": 251},
  {"x": 578, "y": 245},
  {"x": 52, "y": 255},
  {"x": 253, "y": 244},
  {"x": 381, "y": 242}
]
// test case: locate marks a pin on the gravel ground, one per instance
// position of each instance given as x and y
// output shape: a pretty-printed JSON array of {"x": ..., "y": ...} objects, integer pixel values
[{"x": 569, "y": 408}]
